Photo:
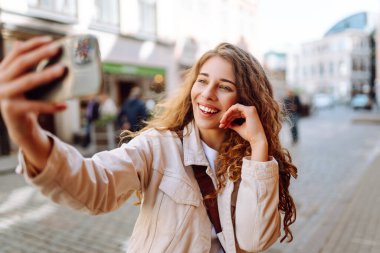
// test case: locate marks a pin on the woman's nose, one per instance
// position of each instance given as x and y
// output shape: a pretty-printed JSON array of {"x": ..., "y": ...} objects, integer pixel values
[{"x": 209, "y": 92}]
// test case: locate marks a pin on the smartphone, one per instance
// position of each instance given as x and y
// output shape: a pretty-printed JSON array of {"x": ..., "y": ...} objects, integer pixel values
[{"x": 83, "y": 77}]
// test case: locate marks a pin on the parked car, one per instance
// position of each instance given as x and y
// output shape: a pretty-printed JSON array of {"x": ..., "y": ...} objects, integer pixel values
[
  {"x": 322, "y": 100},
  {"x": 361, "y": 101}
]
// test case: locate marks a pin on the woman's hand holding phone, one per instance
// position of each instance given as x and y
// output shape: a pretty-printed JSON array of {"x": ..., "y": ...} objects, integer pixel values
[
  {"x": 20, "y": 114},
  {"x": 80, "y": 55}
]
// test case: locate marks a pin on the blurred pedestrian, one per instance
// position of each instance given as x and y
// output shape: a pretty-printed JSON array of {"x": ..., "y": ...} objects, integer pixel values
[
  {"x": 209, "y": 167},
  {"x": 133, "y": 112},
  {"x": 92, "y": 114},
  {"x": 293, "y": 109}
]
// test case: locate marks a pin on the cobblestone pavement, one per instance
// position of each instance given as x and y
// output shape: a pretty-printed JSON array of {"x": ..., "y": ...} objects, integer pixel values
[
  {"x": 332, "y": 157},
  {"x": 29, "y": 223},
  {"x": 358, "y": 229}
]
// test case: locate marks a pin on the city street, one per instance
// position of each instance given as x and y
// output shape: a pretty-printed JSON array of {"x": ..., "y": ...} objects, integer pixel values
[{"x": 332, "y": 156}]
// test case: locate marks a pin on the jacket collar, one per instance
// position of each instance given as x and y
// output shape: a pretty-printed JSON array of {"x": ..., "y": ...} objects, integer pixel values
[{"x": 192, "y": 147}]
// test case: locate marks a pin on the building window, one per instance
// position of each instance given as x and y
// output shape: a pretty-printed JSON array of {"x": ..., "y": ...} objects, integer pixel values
[
  {"x": 364, "y": 44},
  {"x": 107, "y": 12},
  {"x": 304, "y": 71},
  {"x": 147, "y": 17},
  {"x": 331, "y": 67},
  {"x": 321, "y": 69},
  {"x": 63, "y": 7},
  {"x": 312, "y": 70},
  {"x": 355, "y": 65},
  {"x": 342, "y": 68},
  {"x": 362, "y": 65}
]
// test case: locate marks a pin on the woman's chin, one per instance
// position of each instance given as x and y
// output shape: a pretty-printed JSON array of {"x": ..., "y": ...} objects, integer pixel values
[{"x": 207, "y": 125}]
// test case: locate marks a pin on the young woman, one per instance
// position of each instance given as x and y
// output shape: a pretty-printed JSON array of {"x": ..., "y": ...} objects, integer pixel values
[{"x": 245, "y": 161}]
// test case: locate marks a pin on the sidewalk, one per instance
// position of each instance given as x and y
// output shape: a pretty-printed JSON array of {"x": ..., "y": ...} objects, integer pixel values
[
  {"x": 372, "y": 117},
  {"x": 358, "y": 229},
  {"x": 8, "y": 163}
]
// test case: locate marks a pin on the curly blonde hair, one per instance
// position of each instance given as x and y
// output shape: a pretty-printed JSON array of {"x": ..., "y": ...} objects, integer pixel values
[{"x": 254, "y": 89}]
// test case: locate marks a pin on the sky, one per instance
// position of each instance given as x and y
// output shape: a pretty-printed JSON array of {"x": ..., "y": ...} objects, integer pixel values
[{"x": 286, "y": 23}]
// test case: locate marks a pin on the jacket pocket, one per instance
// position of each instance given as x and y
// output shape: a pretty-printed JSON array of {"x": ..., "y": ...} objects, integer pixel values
[
  {"x": 179, "y": 191},
  {"x": 177, "y": 205}
]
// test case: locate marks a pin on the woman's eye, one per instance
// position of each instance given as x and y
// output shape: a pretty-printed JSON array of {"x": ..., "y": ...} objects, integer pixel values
[
  {"x": 201, "y": 81},
  {"x": 225, "y": 87}
]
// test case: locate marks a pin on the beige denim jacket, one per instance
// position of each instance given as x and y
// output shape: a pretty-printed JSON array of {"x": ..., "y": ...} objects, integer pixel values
[{"x": 172, "y": 216}]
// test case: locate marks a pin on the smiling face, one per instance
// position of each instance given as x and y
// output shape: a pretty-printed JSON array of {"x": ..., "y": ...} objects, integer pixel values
[{"x": 213, "y": 92}]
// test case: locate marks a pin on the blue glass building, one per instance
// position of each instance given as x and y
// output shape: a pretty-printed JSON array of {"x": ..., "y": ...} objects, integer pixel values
[{"x": 356, "y": 21}]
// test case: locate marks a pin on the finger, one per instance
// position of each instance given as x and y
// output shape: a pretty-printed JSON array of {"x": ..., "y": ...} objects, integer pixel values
[
  {"x": 224, "y": 122},
  {"x": 234, "y": 126},
  {"x": 42, "y": 107},
  {"x": 235, "y": 111},
  {"x": 30, "y": 81},
  {"x": 29, "y": 60},
  {"x": 22, "y": 47},
  {"x": 233, "y": 116},
  {"x": 228, "y": 121},
  {"x": 23, "y": 106}
]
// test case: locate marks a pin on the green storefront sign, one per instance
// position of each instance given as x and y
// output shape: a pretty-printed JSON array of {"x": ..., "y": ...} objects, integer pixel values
[{"x": 115, "y": 68}]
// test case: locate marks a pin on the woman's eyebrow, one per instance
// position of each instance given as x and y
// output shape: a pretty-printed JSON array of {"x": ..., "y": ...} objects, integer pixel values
[
  {"x": 228, "y": 81},
  {"x": 222, "y": 79}
]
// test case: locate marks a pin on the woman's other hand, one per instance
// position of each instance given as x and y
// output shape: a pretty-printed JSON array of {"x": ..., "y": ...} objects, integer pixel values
[{"x": 251, "y": 129}]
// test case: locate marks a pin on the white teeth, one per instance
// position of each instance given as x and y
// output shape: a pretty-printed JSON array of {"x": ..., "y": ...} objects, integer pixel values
[{"x": 206, "y": 109}]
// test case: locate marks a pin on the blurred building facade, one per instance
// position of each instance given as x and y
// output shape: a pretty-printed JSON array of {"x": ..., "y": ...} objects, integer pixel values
[
  {"x": 126, "y": 60},
  {"x": 142, "y": 42},
  {"x": 341, "y": 63},
  {"x": 377, "y": 68},
  {"x": 274, "y": 64}
]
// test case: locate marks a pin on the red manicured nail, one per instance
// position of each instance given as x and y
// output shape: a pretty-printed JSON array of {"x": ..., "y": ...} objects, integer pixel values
[{"x": 61, "y": 106}]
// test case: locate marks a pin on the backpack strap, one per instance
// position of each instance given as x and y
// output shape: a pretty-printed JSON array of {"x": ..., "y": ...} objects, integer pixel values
[{"x": 207, "y": 187}]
